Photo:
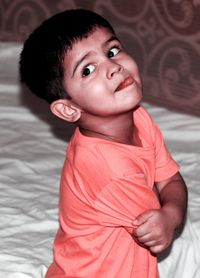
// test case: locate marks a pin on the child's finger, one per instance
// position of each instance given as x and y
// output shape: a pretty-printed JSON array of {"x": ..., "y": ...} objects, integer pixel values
[{"x": 142, "y": 218}]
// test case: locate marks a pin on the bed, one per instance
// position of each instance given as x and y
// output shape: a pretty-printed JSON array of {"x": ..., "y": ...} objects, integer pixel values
[{"x": 33, "y": 144}]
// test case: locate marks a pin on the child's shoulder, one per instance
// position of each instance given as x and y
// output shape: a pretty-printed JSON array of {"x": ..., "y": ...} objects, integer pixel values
[
  {"x": 141, "y": 112},
  {"x": 146, "y": 126},
  {"x": 143, "y": 118}
]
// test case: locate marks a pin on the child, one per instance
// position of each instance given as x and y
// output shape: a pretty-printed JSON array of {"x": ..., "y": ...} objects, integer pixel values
[{"x": 112, "y": 222}]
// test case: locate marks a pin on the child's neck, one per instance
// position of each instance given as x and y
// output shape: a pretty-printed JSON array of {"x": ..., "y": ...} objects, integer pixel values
[{"x": 118, "y": 129}]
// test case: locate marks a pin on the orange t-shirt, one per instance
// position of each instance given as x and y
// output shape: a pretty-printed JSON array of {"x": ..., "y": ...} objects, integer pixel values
[{"x": 104, "y": 186}]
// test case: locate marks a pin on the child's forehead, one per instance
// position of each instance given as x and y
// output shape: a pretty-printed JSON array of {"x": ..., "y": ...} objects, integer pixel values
[{"x": 99, "y": 36}]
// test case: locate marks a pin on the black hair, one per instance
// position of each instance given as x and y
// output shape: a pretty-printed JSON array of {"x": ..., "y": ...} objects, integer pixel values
[{"x": 41, "y": 59}]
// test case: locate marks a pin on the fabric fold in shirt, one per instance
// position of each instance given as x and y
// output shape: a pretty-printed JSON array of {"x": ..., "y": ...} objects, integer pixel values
[{"x": 104, "y": 186}]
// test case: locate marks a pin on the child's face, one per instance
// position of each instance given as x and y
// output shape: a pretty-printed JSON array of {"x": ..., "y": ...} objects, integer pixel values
[{"x": 100, "y": 76}]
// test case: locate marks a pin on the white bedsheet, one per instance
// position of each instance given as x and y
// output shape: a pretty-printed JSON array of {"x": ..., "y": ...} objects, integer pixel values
[{"x": 32, "y": 150}]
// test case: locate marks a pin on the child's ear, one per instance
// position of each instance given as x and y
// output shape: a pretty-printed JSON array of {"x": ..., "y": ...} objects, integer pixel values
[{"x": 66, "y": 110}]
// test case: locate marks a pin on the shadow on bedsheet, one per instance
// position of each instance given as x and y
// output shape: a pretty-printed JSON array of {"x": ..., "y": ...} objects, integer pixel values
[
  {"x": 163, "y": 255},
  {"x": 40, "y": 108}
]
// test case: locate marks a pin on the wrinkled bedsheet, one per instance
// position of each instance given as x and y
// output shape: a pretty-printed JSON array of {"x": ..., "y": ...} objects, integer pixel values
[{"x": 32, "y": 151}]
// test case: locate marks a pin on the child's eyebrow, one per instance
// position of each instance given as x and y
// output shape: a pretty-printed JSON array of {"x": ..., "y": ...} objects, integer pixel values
[
  {"x": 112, "y": 38},
  {"x": 79, "y": 62}
]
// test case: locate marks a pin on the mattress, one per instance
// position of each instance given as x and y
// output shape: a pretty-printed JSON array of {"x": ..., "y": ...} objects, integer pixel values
[{"x": 33, "y": 144}]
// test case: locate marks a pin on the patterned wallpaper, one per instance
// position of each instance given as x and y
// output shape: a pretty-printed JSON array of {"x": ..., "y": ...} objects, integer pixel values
[{"x": 162, "y": 35}]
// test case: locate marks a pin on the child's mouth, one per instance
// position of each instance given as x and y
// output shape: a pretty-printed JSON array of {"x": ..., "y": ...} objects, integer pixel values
[{"x": 127, "y": 81}]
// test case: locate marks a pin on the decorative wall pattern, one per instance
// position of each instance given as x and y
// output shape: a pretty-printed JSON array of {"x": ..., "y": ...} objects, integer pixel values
[{"x": 163, "y": 36}]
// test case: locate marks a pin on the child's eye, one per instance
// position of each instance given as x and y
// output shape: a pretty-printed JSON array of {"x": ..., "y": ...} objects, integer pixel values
[
  {"x": 113, "y": 52},
  {"x": 88, "y": 70}
]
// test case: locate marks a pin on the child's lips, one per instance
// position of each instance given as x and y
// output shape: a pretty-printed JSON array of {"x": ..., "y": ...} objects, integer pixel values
[{"x": 127, "y": 82}]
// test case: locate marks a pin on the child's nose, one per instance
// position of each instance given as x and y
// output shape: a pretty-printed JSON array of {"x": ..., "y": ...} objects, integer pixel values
[{"x": 113, "y": 68}]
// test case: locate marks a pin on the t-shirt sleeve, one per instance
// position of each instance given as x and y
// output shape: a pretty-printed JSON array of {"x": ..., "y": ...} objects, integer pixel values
[{"x": 122, "y": 200}]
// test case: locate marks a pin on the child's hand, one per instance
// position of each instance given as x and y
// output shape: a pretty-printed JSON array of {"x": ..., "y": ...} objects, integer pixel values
[{"x": 155, "y": 229}]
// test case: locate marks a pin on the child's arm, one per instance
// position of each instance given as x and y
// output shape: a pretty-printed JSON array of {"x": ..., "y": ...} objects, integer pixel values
[{"x": 156, "y": 227}]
